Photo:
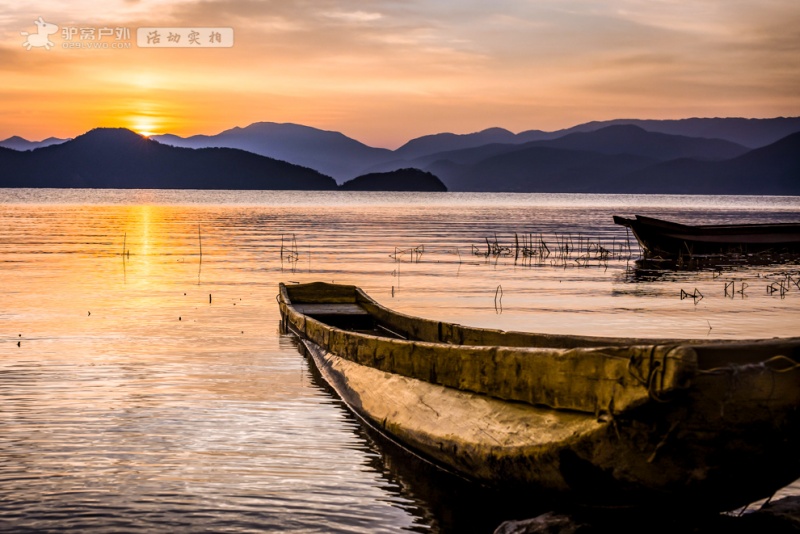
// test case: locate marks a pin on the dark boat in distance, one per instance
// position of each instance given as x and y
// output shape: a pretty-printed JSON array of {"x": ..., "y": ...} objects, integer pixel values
[
  {"x": 659, "y": 238},
  {"x": 692, "y": 424}
]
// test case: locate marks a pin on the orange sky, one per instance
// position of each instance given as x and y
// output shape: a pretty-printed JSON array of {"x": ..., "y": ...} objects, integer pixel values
[{"x": 386, "y": 71}]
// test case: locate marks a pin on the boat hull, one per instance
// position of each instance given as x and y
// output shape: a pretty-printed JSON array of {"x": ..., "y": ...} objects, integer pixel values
[
  {"x": 718, "y": 440},
  {"x": 667, "y": 239}
]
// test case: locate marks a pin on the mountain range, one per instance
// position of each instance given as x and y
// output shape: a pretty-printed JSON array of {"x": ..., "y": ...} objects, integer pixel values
[
  {"x": 331, "y": 153},
  {"x": 771, "y": 170},
  {"x": 614, "y": 156},
  {"x": 343, "y": 158},
  {"x": 120, "y": 158},
  {"x": 16, "y": 142},
  {"x": 685, "y": 156}
]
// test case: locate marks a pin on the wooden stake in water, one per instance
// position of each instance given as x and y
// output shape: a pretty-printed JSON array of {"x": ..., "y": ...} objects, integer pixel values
[
  {"x": 498, "y": 299},
  {"x": 200, "y": 264},
  {"x": 124, "y": 266}
]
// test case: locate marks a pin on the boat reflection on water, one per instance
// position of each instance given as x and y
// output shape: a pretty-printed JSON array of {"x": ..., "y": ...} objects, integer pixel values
[{"x": 648, "y": 269}]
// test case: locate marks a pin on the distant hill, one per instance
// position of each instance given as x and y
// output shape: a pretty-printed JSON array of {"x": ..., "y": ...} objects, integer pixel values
[
  {"x": 120, "y": 158},
  {"x": 430, "y": 144},
  {"x": 330, "y": 153},
  {"x": 539, "y": 169},
  {"x": 771, "y": 170},
  {"x": 18, "y": 143},
  {"x": 631, "y": 139},
  {"x": 611, "y": 140},
  {"x": 751, "y": 133},
  {"x": 399, "y": 180}
]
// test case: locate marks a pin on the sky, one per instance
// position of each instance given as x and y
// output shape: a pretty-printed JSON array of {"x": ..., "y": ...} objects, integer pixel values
[{"x": 386, "y": 71}]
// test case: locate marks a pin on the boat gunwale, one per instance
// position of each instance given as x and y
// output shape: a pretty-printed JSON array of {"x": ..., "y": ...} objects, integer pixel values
[
  {"x": 599, "y": 341},
  {"x": 586, "y": 379},
  {"x": 581, "y": 341},
  {"x": 747, "y": 227},
  {"x": 605, "y": 374}
]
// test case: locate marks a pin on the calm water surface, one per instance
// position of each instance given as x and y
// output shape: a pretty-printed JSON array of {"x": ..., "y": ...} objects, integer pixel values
[{"x": 144, "y": 384}]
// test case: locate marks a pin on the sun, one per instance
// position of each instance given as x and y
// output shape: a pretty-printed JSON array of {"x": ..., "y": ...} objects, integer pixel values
[{"x": 144, "y": 125}]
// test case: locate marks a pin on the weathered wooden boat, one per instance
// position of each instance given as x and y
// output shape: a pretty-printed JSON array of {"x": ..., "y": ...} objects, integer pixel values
[
  {"x": 657, "y": 237},
  {"x": 605, "y": 421}
]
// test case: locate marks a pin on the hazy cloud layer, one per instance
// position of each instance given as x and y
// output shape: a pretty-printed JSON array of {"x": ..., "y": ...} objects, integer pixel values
[{"x": 384, "y": 71}]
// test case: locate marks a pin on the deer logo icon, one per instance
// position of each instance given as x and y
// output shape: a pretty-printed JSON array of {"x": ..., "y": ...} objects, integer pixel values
[{"x": 40, "y": 37}]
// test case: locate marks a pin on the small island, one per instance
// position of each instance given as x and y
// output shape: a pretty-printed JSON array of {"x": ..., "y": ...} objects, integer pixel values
[{"x": 409, "y": 179}]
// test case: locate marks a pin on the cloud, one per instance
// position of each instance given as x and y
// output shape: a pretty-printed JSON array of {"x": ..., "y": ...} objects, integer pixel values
[
  {"x": 354, "y": 16},
  {"x": 420, "y": 64}
]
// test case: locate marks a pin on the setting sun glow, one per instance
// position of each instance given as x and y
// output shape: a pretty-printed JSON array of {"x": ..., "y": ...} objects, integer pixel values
[{"x": 144, "y": 126}]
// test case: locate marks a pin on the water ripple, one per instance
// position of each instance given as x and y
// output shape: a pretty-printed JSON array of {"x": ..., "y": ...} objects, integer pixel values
[{"x": 144, "y": 385}]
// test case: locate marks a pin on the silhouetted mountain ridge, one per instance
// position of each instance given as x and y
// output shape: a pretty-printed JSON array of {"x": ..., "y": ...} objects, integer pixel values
[
  {"x": 16, "y": 142},
  {"x": 631, "y": 139},
  {"x": 430, "y": 144},
  {"x": 751, "y": 133},
  {"x": 331, "y": 153},
  {"x": 612, "y": 140},
  {"x": 120, "y": 158},
  {"x": 337, "y": 155},
  {"x": 770, "y": 170},
  {"x": 610, "y": 156},
  {"x": 538, "y": 169}
]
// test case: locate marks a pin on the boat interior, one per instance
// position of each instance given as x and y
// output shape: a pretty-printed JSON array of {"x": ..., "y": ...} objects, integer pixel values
[{"x": 351, "y": 317}]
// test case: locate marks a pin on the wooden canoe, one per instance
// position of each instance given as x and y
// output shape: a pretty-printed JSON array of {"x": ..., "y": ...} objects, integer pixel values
[
  {"x": 657, "y": 237},
  {"x": 605, "y": 421}
]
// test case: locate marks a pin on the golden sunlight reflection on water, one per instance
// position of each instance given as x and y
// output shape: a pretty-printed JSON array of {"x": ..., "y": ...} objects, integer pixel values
[{"x": 144, "y": 384}]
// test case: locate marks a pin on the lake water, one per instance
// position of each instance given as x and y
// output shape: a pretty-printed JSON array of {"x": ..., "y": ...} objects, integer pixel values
[{"x": 145, "y": 386}]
